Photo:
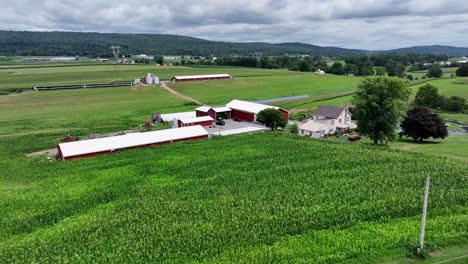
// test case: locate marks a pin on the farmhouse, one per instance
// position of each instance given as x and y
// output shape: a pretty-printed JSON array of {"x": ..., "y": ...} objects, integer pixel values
[
  {"x": 216, "y": 113},
  {"x": 204, "y": 121},
  {"x": 94, "y": 147},
  {"x": 192, "y": 78},
  {"x": 327, "y": 120},
  {"x": 247, "y": 111}
]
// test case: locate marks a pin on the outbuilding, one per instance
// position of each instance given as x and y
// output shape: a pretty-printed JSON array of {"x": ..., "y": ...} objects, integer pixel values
[
  {"x": 192, "y": 78},
  {"x": 247, "y": 111},
  {"x": 100, "y": 146},
  {"x": 216, "y": 113},
  {"x": 204, "y": 121}
]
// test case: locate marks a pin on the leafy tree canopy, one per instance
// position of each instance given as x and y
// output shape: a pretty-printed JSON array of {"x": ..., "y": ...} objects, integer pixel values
[
  {"x": 463, "y": 70},
  {"x": 435, "y": 71},
  {"x": 379, "y": 105},
  {"x": 428, "y": 96},
  {"x": 420, "y": 123},
  {"x": 272, "y": 118}
]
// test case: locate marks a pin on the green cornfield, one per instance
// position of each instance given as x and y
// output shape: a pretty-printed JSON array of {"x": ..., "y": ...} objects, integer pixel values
[{"x": 268, "y": 197}]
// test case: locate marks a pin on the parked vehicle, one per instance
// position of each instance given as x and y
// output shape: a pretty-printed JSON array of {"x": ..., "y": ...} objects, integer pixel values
[
  {"x": 220, "y": 123},
  {"x": 354, "y": 137}
]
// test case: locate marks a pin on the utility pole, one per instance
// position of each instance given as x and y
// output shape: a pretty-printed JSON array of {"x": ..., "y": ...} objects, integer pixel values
[{"x": 423, "y": 222}]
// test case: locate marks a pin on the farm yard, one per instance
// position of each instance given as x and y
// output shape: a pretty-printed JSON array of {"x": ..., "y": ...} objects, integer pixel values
[{"x": 230, "y": 199}]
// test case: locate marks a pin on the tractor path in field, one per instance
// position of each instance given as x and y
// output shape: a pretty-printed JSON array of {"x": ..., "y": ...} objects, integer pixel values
[{"x": 164, "y": 86}]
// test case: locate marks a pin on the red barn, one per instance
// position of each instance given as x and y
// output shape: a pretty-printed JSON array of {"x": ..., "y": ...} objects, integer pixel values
[
  {"x": 193, "y": 78},
  {"x": 215, "y": 112},
  {"x": 247, "y": 111},
  {"x": 204, "y": 121},
  {"x": 100, "y": 146}
]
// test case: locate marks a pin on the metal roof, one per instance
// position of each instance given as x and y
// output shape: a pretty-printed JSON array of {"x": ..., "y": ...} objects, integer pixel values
[
  {"x": 249, "y": 106},
  {"x": 91, "y": 146},
  {"x": 329, "y": 111},
  {"x": 202, "y": 76},
  {"x": 242, "y": 130},
  {"x": 221, "y": 109},
  {"x": 196, "y": 119},
  {"x": 313, "y": 126},
  {"x": 172, "y": 116},
  {"x": 204, "y": 108}
]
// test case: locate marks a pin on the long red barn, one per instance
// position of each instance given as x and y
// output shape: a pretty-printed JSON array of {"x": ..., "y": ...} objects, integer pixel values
[
  {"x": 247, "y": 111},
  {"x": 100, "y": 146},
  {"x": 192, "y": 78}
]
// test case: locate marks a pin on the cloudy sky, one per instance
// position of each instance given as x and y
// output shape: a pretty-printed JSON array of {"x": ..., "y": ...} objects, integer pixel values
[{"x": 363, "y": 24}]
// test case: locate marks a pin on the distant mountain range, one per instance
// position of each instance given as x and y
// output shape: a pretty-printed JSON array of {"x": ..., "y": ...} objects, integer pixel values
[{"x": 25, "y": 43}]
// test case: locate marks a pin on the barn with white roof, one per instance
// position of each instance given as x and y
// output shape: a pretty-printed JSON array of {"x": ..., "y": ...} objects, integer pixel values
[
  {"x": 204, "y": 121},
  {"x": 247, "y": 111},
  {"x": 192, "y": 78},
  {"x": 100, "y": 146}
]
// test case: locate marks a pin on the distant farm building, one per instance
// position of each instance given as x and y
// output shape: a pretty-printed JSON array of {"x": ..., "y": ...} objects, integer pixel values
[
  {"x": 319, "y": 71},
  {"x": 204, "y": 121},
  {"x": 50, "y": 59},
  {"x": 247, "y": 111},
  {"x": 102, "y": 60},
  {"x": 214, "y": 112},
  {"x": 95, "y": 147},
  {"x": 193, "y": 78}
]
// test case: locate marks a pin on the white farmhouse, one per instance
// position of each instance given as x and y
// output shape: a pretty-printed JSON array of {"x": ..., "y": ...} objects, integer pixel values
[{"x": 328, "y": 120}]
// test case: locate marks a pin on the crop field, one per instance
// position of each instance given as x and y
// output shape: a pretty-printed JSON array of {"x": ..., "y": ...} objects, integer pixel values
[
  {"x": 450, "y": 87},
  {"x": 25, "y": 77},
  {"x": 243, "y": 200},
  {"x": 268, "y": 87},
  {"x": 447, "y": 72}
]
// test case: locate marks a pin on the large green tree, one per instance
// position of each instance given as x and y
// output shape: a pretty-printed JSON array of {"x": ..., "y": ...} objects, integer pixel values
[
  {"x": 272, "y": 118},
  {"x": 379, "y": 105},
  {"x": 463, "y": 70},
  {"x": 428, "y": 96},
  {"x": 434, "y": 71},
  {"x": 420, "y": 123}
]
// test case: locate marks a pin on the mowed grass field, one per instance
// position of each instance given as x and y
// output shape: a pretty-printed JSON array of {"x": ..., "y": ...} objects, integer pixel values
[
  {"x": 23, "y": 77},
  {"x": 268, "y": 87}
]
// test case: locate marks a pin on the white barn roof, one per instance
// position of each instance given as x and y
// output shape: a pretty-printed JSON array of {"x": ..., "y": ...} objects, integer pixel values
[
  {"x": 204, "y": 108},
  {"x": 202, "y": 76},
  {"x": 221, "y": 109},
  {"x": 91, "y": 146},
  {"x": 172, "y": 116},
  {"x": 249, "y": 106},
  {"x": 196, "y": 119}
]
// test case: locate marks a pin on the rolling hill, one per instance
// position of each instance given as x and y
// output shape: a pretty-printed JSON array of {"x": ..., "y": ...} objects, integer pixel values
[{"x": 26, "y": 43}]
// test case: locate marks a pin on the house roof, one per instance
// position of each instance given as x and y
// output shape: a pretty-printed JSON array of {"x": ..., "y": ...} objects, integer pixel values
[
  {"x": 130, "y": 140},
  {"x": 204, "y": 108},
  {"x": 172, "y": 116},
  {"x": 329, "y": 111},
  {"x": 312, "y": 126},
  {"x": 202, "y": 76},
  {"x": 249, "y": 106},
  {"x": 196, "y": 119}
]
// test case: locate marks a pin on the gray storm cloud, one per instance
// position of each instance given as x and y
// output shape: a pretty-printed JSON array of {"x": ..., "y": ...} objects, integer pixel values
[{"x": 364, "y": 24}]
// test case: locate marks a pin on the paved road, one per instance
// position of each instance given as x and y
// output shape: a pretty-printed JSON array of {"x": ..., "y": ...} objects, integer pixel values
[
  {"x": 164, "y": 86},
  {"x": 290, "y": 98}
]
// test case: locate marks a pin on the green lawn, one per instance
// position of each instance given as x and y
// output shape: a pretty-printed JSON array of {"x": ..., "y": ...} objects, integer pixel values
[
  {"x": 99, "y": 109},
  {"x": 449, "y": 87},
  {"x": 447, "y": 72},
  {"x": 268, "y": 87},
  {"x": 23, "y": 77},
  {"x": 454, "y": 146}
]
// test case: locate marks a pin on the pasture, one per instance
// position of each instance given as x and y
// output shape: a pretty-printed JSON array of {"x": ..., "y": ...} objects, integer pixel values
[
  {"x": 25, "y": 77},
  {"x": 268, "y": 87}
]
